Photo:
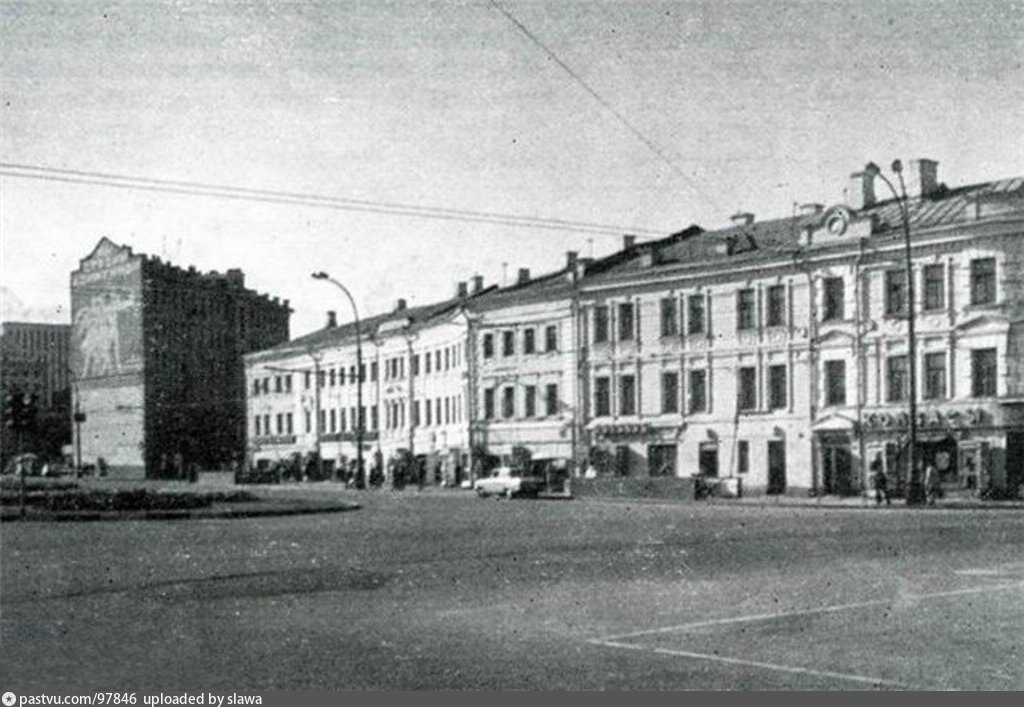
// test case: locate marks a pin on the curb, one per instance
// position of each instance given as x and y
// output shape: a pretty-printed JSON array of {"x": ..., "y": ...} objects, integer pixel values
[{"x": 12, "y": 514}]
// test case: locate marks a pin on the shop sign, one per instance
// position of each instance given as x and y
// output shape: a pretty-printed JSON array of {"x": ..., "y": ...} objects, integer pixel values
[
  {"x": 624, "y": 430},
  {"x": 942, "y": 419}
]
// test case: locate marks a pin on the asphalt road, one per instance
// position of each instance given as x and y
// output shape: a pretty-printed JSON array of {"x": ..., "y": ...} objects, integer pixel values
[{"x": 448, "y": 591}]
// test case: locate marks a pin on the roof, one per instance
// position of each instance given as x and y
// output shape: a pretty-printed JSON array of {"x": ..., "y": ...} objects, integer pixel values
[{"x": 763, "y": 241}]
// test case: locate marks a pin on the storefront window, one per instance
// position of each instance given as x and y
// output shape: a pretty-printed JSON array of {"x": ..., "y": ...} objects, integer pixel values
[{"x": 983, "y": 373}]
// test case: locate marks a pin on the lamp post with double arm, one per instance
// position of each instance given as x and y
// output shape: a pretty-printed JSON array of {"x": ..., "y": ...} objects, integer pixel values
[
  {"x": 915, "y": 490},
  {"x": 360, "y": 422}
]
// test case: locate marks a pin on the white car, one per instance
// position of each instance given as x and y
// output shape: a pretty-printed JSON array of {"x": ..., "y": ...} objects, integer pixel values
[{"x": 502, "y": 482}]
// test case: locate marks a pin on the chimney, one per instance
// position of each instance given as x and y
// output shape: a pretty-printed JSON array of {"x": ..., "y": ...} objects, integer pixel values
[
  {"x": 478, "y": 284},
  {"x": 462, "y": 290},
  {"x": 570, "y": 259},
  {"x": 400, "y": 305},
  {"x": 742, "y": 218},
  {"x": 812, "y": 209},
  {"x": 332, "y": 319},
  {"x": 524, "y": 276},
  {"x": 921, "y": 178},
  {"x": 861, "y": 194},
  {"x": 628, "y": 242}
]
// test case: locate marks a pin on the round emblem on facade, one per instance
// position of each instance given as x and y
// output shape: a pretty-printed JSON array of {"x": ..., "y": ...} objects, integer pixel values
[{"x": 837, "y": 220}]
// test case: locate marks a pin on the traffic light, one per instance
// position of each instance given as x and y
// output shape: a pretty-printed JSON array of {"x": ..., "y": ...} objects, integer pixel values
[{"x": 12, "y": 410}]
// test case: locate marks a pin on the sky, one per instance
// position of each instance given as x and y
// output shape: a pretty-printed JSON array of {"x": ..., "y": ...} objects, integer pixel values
[{"x": 644, "y": 117}]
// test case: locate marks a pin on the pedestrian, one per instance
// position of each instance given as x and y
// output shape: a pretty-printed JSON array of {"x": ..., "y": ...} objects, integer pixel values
[
  {"x": 881, "y": 482},
  {"x": 931, "y": 484}
]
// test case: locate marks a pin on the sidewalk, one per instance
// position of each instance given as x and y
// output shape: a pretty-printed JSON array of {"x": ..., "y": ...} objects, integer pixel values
[{"x": 866, "y": 502}]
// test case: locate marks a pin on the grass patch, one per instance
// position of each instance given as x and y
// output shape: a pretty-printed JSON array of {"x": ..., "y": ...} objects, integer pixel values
[{"x": 125, "y": 499}]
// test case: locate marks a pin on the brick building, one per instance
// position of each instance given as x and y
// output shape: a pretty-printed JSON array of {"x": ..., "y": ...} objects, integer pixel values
[{"x": 157, "y": 356}]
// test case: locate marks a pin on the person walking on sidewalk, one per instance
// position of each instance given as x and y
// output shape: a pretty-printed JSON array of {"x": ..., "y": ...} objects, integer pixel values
[{"x": 881, "y": 483}]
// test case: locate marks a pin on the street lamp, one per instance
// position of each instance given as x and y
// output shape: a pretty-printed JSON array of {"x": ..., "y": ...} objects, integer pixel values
[
  {"x": 360, "y": 422},
  {"x": 915, "y": 492}
]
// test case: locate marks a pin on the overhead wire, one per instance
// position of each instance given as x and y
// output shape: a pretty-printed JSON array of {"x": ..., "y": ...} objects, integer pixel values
[
  {"x": 194, "y": 188},
  {"x": 607, "y": 105}
]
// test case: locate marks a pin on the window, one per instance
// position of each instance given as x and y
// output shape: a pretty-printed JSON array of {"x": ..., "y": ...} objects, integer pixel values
[
  {"x": 341, "y": 376},
  {"x": 508, "y": 402},
  {"x": 277, "y": 383},
  {"x": 747, "y": 388},
  {"x": 374, "y": 370},
  {"x": 935, "y": 375},
  {"x": 895, "y": 292},
  {"x": 551, "y": 399},
  {"x": 695, "y": 314},
  {"x": 835, "y": 382},
  {"x": 742, "y": 456},
  {"x": 257, "y": 420},
  {"x": 669, "y": 392},
  {"x": 307, "y": 380},
  {"x": 416, "y": 414},
  {"x": 669, "y": 317},
  {"x": 488, "y": 407},
  {"x": 627, "y": 395},
  {"x": 897, "y": 378},
  {"x": 530, "y": 401},
  {"x": 374, "y": 417},
  {"x": 778, "y": 387},
  {"x": 626, "y": 321},
  {"x": 447, "y": 359},
  {"x": 745, "y": 313},
  {"x": 934, "y": 287},
  {"x": 414, "y": 367},
  {"x": 342, "y": 420},
  {"x": 600, "y": 324},
  {"x": 332, "y": 376},
  {"x": 427, "y": 357},
  {"x": 602, "y": 397},
  {"x": 983, "y": 281},
  {"x": 288, "y": 383},
  {"x": 834, "y": 299},
  {"x": 983, "y": 373},
  {"x": 529, "y": 341},
  {"x": 776, "y": 305},
  {"x": 256, "y": 385},
  {"x": 698, "y": 391},
  {"x": 508, "y": 343},
  {"x": 309, "y": 422},
  {"x": 437, "y": 412},
  {"x": 551, "y": 338},
  {"x": 334, "y": 421},
  {"x": 437, "y": 361}
]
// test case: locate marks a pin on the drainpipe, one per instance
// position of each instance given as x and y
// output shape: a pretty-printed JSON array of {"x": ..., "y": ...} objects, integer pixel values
[
  {"x": 812, "y": 355},
  {"x": 861, "y": 367}
]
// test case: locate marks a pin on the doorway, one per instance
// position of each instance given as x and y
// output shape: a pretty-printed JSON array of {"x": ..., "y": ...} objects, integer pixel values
[
  {"x": 708, "y": 459},
  {"x": 776, "y": 467},
  {"x": 837, "y": 468}
]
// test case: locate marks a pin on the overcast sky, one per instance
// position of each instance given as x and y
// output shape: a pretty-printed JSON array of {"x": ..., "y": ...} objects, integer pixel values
[{"x": 680, "y": 113}]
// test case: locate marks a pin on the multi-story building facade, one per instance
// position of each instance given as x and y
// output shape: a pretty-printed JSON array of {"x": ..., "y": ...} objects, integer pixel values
[
  {"x": 525, "y": 379},
  {"x": 772, "y": 351},
  {"x": 776, "y": 351},
  {"x": 34, "y": 362},
  {"x": 156, "y": 352},
  {"x": 307, "y": 396}
]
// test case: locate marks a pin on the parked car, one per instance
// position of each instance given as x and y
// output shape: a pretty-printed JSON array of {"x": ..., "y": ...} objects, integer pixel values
[{"x": 504, "y": 482}]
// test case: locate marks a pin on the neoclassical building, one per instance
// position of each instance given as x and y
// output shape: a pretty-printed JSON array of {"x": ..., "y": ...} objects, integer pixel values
[{"x": 773, "y": 351}]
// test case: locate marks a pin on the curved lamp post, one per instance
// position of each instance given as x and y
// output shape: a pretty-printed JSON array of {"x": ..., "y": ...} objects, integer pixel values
[
  {"x": 360, "y": 422},
  {"x": 915, "y": 492}
]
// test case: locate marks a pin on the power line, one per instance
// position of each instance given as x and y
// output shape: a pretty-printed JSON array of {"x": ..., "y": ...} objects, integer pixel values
[
  {"x": 650, "y": 144},
  {"x": 192, "y": 188}
]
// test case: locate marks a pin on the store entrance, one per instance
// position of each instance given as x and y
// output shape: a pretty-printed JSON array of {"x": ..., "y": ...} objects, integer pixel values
[
  {"x": 837, "y": 468},
  {"x": 942, "y": 455}
]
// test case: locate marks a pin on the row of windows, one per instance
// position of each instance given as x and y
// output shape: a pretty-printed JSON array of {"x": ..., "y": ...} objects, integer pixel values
[
  {"x": 984, "y": 372},
  {"x": 510, "y": 410},
  {"x": 529, "y": 342},
  {"x": 982, "y": 291},
  {"x": 394, "y": 368},
  {"x": 284, "y": 424},
  {"x": 983, "y": 384}
]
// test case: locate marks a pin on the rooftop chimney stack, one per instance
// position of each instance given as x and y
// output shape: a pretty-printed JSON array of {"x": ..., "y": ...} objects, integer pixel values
[
  {"x": 570, "y": 259},
  {"x": 861, "y": 194},
  {"x": 462, "y": 290},
  {"x": 524, "y": 276},
  {"x": 628, "y": 242},
  {"x": 742, "y": 218},
  {"x": 478, "y": 284},
  {"x": 332, "y": 319},
  {"x": 921, "y": 178},
  {"x": 400, "y": 305},
  {"x": 812, "y": 209}
]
